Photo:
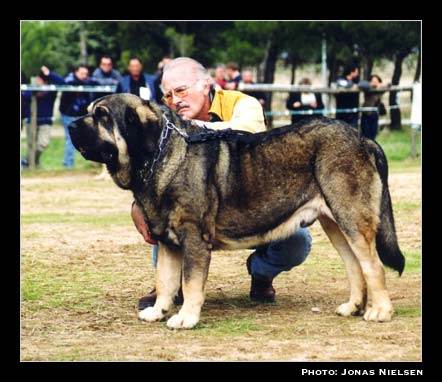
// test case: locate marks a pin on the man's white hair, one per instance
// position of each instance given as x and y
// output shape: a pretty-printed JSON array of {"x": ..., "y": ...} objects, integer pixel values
[{"x": 199, "y": 70}]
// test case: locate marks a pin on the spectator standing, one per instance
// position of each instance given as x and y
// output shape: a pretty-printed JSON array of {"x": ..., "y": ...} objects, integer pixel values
[
  {"x": 301, "y": 101},
  {"x": 220, "y": 77},
  {"x": 247, "y": 78},
  {"x": 233, "y": 76},
  {"x": 349, "y": 80},
  {"x": 105, "y": 74},
  {"x": 137, "y": 82},
  {"x": 45, "y": 108},
  {"x": 74, "y": 105},
  {"x": 370, "y": 119}
]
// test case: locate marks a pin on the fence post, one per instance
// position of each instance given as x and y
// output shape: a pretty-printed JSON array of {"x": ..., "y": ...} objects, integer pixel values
[
  {"x": 32, "y": 138},
  {"x": 416, "y": 116}
]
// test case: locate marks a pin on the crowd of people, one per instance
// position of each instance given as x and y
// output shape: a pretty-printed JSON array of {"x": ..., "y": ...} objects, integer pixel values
[{"x": 148, "y": 86}]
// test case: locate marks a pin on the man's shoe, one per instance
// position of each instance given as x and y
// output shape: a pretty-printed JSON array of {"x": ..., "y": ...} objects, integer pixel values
[
  {"x": 147, "y": 301},
  {"x": 262, "y": 291},
  {"x": 151, "y": 298}
]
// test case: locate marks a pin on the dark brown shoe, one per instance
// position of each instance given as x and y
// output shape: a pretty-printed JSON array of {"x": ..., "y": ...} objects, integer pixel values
[
  {"x": 262, "y": 291},
  {"x": 151, "y": 298}
]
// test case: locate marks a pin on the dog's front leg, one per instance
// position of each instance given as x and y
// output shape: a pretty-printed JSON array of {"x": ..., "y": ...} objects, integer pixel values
[
  {"x": 195, "y": 270},
  {"x": 167, "y": 283}
]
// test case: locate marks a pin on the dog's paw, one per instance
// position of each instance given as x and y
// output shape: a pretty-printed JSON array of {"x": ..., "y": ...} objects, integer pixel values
[
  {"x": 348, "y": 309},
  {"x": 150, "y": 314},
  {"x": 379, "y": 314},
  {"x": 182, "y": 321}
]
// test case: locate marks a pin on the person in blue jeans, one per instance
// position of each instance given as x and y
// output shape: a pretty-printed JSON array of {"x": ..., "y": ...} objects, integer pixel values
[
  {"x": 188, "y": 89},
  {"x": 267, "y": 262},
  {"x": 45, "y": 107},
  {"x": 74, "y": 105}
]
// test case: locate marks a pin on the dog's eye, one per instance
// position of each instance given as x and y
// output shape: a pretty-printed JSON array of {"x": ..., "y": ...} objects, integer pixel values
[{"x": 101, "y": 114}]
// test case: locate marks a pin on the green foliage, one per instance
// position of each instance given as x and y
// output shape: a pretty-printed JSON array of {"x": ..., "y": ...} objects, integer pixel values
[
  {"x": 181, "y": 43},
  {"x": 49, "y": 43},
  {"x": 56, "y": 43}
]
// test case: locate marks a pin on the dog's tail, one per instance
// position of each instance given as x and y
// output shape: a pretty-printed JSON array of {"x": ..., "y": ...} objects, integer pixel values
[{"x": 386, "y": 240}]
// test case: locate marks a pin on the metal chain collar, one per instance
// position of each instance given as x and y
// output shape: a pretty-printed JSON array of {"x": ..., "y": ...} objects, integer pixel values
[{"x": 203, "y": 137}]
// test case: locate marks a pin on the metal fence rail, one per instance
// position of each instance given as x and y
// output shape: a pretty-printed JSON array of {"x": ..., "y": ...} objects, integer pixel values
[{"x": 242, "y": 87}]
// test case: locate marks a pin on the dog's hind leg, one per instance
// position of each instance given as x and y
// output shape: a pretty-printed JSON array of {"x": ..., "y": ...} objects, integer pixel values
[
  {"x": 364, "y": 247},
  {"x": 195, "y": 270},
  {"x": 167, "y": 283},
  {"x": 358, "y": 289}
]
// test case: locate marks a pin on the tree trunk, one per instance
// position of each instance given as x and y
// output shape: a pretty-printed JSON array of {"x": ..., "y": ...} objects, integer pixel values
[
  {"x": 292, "y": 72},
  {"x": 395, "y": 114},
  {"x": 259, "y": 74},
  {"x": 331, "y": 63},
  {"x": 83, "y": 42},
  {"x": 270, "y": 59},
  {"x": 417, "y": 75},
  {"x": 368, "y": 66}
]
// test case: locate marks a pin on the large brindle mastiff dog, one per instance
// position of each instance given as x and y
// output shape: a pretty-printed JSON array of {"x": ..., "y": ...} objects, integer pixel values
[{"x": 202, "y": 191}]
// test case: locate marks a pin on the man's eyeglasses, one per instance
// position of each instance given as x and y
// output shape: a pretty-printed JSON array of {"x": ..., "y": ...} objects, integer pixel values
[{"x": 179, "y": 92}]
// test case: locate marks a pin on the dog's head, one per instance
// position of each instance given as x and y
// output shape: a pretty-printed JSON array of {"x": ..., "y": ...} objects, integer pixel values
[{"x": 120, "y": 130}]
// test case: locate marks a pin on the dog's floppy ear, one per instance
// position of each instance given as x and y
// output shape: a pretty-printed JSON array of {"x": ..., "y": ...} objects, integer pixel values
[{"x": 145, "y": 112}]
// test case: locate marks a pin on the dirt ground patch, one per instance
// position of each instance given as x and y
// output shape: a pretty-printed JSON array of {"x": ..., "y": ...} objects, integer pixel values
[{"x": 84, "y": 266}]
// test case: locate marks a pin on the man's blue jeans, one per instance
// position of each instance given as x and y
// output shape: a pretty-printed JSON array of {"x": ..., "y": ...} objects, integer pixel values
[
  {"x": 272, "y": 259},
  {"x": 69, "y": 149},
  {"x": 369, "y": 125}
]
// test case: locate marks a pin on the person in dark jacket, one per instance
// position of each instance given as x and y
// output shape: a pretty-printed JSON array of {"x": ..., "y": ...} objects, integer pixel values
[
  {"x": 45, "y": 108},
  {"x": 105, "y": 74},
  {"x": 304, "y": 101},
  {"x": 349, "y": 80},
  {"x": 137, "y": 82},
  {"x": 370, "y": 119},
  {"x": 74, "y": 105}
]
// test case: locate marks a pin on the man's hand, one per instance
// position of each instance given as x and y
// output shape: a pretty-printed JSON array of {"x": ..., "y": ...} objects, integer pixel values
[{"x": 140, "y": 224}]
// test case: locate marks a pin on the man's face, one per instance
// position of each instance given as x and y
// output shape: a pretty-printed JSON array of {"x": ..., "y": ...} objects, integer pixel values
[
  {"x": 135, "y": 68},
  {"x": 219, "y": 73},
  {"x": 247, "y": 76},
  {"x": 355, "y": 73},
  {"x": 40, "y": 81},
  {"x": 193, "y": 92},
  {"x": 82, "y": 74},
  {"x": 375, "y": 82},
  {"x": 230, "y": 72},
  {"x": 106, "y": 65}
]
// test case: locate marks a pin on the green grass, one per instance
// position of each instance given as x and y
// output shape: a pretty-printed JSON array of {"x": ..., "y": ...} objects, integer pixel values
[
  {"x": 61, "y": 218},
  {"x": 397, "y": 146},
  {"x": 413, "y": 261},
  {"x": 408, "y": 206},
  {"x": 52, "y": 157},
  {"x": 55, "y": 292},
  {"x": 408, "y": 311},
  {"x": 231, "y": 326}
]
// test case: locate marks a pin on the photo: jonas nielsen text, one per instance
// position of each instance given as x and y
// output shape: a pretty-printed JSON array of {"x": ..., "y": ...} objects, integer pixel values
[{"x": 344, "y": 372}]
